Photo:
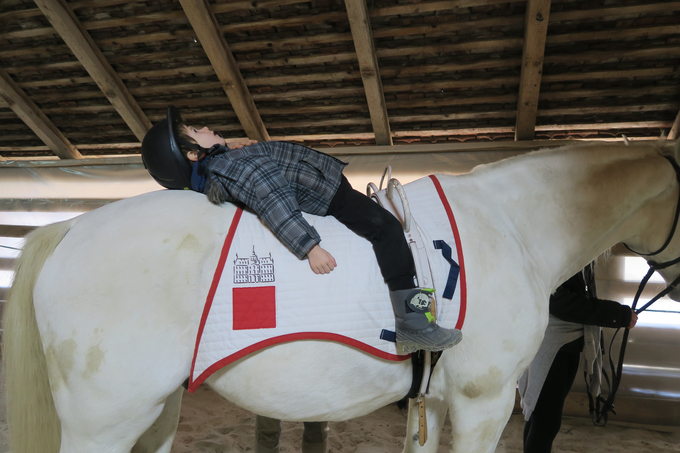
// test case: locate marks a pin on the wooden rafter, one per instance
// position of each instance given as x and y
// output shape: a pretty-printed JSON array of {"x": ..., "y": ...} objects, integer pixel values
[
  {"x": 15, "y": 231},
  {"x": 216, "y": 48},
  {"x": 535, "y": 32},
  {"x": 675, "y": 129},
  {"x": 359, "y": 22},
  {"x": 83, "y": 47},
  {"x": 15, "y": 98}
]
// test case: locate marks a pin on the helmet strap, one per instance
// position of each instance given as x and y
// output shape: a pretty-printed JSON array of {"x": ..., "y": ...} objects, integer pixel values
[{"x": 196, "y": 147}]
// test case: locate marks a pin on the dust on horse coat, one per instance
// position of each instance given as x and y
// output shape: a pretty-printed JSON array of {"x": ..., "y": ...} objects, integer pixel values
[{"x": 107, "y": 306}]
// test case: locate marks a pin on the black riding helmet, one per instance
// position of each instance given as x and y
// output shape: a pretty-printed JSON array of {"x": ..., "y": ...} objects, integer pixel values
[{"x": 161, "y": 153}]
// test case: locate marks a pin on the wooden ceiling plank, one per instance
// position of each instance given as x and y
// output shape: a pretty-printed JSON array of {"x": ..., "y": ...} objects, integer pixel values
[
  {"x": 614, "y": 11},
  {"x": 34, "y": 12},
  {"x": 675, "y": 128},
  {"x": 295, "y": 21},
  {"x": 616, "y": 34},
  {"x": 431, "y": 6},
  {"x": 234, "y": 5},
  {"x": 454, "y": 146},
  {"x": 535, "y": 32},
  {"x": 604, "y": 126},
  {"x": 15, "y": 98},
  {"x": 280, "y": 45},
  {"x": 81, "y": 44},
  {"x": 449, "y": 28},
  {"x": 614, "y": 109},
  {"x": 312, "y": 60},
  {"x": 602, "y": 55},
  {"x": 205, "y": 25},
  {"x": 608, "y": 75},
  {"x": 431, "y": 100},
  {"x": 15, "y": 231}
]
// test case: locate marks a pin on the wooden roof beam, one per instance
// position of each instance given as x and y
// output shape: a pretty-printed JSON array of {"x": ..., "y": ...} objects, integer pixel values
[
  {"x": 83, "y": 47},
  {"x": 15, "y": 98},
  {"x": 675, "y": 129},
  {"x": 216, "y": 48},
  {"x": 360, "y": 25},
  {"x": 535, "y": 32}
]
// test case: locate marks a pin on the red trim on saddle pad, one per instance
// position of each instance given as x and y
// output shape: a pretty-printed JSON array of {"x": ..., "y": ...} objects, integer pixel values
[
  {"x": 287, "y": 339},
  {"x": 213, "y": 289},
  {"x": 459, "y": 249}
]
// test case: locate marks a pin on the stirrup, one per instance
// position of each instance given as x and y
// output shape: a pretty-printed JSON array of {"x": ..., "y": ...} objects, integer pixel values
[{"x": 372, "y": 191}]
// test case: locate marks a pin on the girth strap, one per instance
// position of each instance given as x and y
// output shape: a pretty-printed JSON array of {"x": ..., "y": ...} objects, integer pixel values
[{"x": 418, "y": 362}]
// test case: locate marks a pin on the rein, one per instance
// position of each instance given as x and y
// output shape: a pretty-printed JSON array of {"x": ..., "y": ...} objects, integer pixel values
[{"x": 599, "y": 411}]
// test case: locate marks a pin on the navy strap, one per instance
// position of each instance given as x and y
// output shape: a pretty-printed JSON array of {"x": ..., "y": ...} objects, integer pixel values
[
  {"x": 388, "y": 335},
  {"x": 452, "y": 280}
]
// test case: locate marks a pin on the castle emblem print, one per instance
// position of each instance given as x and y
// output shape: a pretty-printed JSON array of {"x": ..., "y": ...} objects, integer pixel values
[
  {"x": 254, "y": 269},
  {"x": 254, "y": 293}
]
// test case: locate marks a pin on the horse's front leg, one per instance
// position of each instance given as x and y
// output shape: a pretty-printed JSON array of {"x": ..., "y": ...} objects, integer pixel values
[
  {"x": 478, "y": 422},
  {"x": 435, "y": 410}
]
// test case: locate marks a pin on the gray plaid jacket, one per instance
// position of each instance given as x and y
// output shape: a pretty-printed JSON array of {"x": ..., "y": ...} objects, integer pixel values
[{"x": 277, "y": 180}]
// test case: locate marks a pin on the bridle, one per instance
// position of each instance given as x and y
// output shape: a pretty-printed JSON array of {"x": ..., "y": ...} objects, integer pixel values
[
  {"x": 599, "y": 409},
  {"x": 653, "y": 265}
]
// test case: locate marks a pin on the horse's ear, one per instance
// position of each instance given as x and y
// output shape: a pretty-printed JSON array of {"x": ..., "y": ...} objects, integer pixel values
[{"x": 625, "y": 140}]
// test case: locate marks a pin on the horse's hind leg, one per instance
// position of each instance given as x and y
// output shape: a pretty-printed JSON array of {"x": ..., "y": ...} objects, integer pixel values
[
  {"x": 479, "y": 422},
  {"x": 88, "y": 424},
  {"x": 158, "y": 438}
]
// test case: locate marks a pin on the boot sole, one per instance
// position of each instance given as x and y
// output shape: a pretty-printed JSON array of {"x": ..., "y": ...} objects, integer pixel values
[{"x": 411, "y": 345}]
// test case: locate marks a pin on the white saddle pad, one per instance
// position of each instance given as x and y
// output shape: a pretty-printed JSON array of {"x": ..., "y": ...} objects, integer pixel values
[{"x": 262, "y": 295}]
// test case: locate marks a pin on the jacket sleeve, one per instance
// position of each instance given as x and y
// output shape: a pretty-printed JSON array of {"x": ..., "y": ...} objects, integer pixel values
[
  {"x": 573, "y": 307},
  {"x": 278, "y": 209}
]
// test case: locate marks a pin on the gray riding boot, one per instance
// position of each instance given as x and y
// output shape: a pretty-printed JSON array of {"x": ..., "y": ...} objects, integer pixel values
[{"x": 415, "y": 326}]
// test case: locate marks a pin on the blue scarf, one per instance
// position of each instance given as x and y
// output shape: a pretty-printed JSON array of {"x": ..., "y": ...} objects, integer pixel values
[{"x": 198, "y": 176}]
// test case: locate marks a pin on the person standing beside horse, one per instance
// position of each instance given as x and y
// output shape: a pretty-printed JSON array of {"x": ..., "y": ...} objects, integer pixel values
[
  {"x": 279, "y": 181},
  {"x": 574, "y": 327}
]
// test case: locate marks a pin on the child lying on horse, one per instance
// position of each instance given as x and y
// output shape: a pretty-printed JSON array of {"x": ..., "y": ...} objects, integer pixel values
[{"x": 279, "y": 181}]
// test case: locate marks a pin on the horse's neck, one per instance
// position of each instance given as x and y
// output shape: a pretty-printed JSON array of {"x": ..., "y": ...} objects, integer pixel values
[{"x": 568, "y": 207}]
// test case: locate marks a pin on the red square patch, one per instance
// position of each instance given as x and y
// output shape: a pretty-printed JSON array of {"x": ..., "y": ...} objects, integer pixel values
[{"x": 254, "y": 308}]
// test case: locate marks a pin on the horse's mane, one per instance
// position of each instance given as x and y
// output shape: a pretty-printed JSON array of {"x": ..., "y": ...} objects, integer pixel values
[{"x": 585, "y": 150}]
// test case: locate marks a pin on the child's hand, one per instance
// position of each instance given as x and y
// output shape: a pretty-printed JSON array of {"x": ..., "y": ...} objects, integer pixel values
[
  {"x": 320, "y": 260},
  {"x": 241, "y": 144}
]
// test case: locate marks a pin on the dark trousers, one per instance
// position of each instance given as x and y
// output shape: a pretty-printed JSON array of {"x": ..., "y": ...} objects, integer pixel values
[
  {"x": 370, "y": 221},
  {"x": 268, "y": 434},
  {"x": 546, "y": 419}
]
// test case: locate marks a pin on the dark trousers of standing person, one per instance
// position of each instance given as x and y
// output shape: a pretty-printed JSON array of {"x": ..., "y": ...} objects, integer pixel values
[
  {"x": 369, "y": 220},
  {"x": 268, "y": 434},
  {"x": 546, "y": 419}
]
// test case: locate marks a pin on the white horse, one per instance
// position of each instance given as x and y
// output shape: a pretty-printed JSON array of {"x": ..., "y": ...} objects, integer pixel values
[{"x": 107, "y": 307}]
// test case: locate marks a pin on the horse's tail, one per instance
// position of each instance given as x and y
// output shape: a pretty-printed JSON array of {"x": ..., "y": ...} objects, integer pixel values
[{"x": 31, "y": 415}]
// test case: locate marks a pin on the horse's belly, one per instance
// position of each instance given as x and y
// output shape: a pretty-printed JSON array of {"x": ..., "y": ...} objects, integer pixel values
[{"x": 312, "y": 380}]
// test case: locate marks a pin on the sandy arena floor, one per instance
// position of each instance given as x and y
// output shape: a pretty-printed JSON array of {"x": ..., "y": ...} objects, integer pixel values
[{"x": 209, "y": 424}]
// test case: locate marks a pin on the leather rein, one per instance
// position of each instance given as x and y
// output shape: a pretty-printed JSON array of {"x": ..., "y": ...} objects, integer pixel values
[{"x": 599, "y": 410}]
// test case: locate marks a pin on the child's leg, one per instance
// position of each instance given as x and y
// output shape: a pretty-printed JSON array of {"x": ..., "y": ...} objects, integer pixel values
[
  {"x": 369, "y": 220},
  {"x": 415, "y": 326}
]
